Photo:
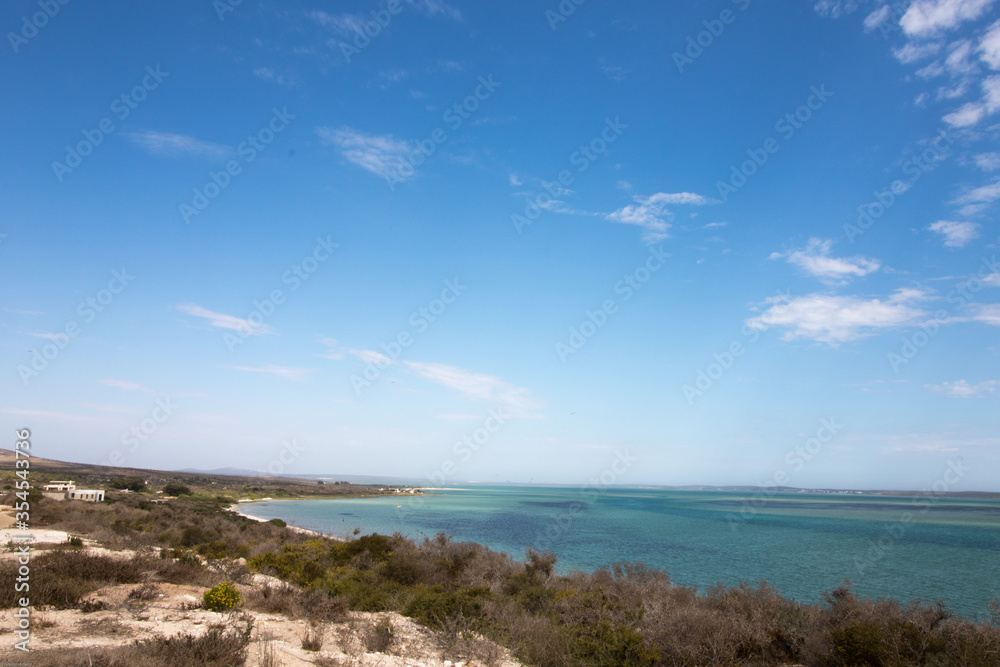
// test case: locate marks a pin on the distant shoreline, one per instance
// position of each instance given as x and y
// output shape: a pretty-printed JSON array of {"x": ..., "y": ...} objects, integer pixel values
[{"x": 296, "y": 529}]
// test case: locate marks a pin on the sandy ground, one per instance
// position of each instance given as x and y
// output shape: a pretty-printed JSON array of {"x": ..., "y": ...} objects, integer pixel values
[
  {"x": 124, "y": 621},
  {"x": 39, "y": 536}
]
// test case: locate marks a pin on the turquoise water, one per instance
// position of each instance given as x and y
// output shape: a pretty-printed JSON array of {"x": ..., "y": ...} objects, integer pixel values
[{"x": 801, "y": 543}]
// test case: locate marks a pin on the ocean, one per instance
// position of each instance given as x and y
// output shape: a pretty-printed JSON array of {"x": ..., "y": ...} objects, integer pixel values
[{"x": 803, "y": 544}]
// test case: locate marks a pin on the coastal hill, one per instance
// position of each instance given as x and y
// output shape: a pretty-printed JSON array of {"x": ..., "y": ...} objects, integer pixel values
[{"x": 163, "y": 573}]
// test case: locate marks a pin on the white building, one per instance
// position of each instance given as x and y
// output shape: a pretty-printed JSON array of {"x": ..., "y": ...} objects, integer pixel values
[
  {"x": 56, "y": 485},
  {"x": 89, "y": 495}
]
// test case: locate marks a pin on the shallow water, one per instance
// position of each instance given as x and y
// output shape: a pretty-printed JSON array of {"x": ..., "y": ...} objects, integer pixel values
[{"x": 803, "y": 544}]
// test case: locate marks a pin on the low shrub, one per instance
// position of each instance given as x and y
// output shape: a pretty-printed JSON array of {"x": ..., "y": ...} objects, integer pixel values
[{"x": 222, "y": 597}]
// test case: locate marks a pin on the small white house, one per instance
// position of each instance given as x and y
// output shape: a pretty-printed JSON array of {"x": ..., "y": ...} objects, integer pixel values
[
  {"x": 89, "y": 495},
  {"x": 56, "y": 485}
]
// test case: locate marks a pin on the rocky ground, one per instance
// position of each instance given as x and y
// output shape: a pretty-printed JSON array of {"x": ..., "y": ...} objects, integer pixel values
[{"x": 112, "y": 619}]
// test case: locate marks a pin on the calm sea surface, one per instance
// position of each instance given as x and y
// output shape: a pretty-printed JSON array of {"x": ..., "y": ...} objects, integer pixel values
[{"x": 801, "y": 543}]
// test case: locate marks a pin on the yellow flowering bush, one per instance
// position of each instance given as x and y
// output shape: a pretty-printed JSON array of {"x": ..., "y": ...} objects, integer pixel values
[{"x": 222, "y": 597}]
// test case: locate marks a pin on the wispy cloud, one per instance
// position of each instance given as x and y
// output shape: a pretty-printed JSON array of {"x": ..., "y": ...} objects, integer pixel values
[
  {"x": 285, "y": 372},
  {"x": 223, "y": 321},
  {"x": 815, "y": 260},
  {"x": 986, "y": 313},
  {"x": 975, "y": 200},
  {"x": 962, "y": 389},
  {"x": 348, "y": 24},
  {"x": 836, "y": 319},
  {"x": 652, "y": 215},
  {"x": 272, "y": 75},
  {"x": 971, "y": 113},
  {"x": 373, "y": 357},
  {"x": 127, "y": 385},
  {"x": 334, "y": 350},
  {"x": 956, "y": 234},
  {"x": 479, "y": 386},
  {"x": 382, "y": 155},
  {"x": 165, "y": 143},
  {"x": 436, "y": 7}
]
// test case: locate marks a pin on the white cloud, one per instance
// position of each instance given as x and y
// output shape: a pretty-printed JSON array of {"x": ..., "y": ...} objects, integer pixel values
[
  {"x": 269, "y": 74},
  {"x": 962, "y": 389},
  {"x": 515, "y": 180},
  {"x": 334, "y": 350},
  {"x": 815, "y": 260},
  {"x": 877, "y": 17},
  {"x": 975, "y": 200},
  {"x": 989, "y": 46},
  {"x": 956, "y": 234},
  {"x": 927, "y": 17},
  {"x": 373, "y": 357},
  {"x": 223, "y": 321},
  {"x": 651, "y": 213},
  {"x": 382, "y": 155},
  {"x": 988, "y": 161},
  {"x": 285, "y": 372},
  {"x": 434, "y": 7},
  {"x": 972, "y": 112},
  {"x": 165, "y": 143},
  {"x": 127, "y": 385},
  {"x": 479, "y": 386},
  {"x": 348, "y": 25},
  {"x": 345, "y": 24},
  {"x": 834, "y": 8},
  {"x": 913, "y": 51},
  {"x": 836, "y": 319},
  {"x": 987, "y": 314},
  {"x": 993, "y": 280}
]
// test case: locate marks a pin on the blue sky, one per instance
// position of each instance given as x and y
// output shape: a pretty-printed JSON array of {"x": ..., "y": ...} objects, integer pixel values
[{"x": 721, "y": 243}]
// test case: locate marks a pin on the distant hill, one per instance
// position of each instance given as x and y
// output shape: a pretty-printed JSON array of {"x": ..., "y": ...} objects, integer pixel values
[{"x": 353, "y": 479}]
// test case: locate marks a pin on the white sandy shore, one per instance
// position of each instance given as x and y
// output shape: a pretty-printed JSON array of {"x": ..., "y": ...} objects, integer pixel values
[{"x": 304, "y": 531}]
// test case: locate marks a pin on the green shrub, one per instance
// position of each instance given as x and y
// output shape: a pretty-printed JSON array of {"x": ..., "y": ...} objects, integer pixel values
[
  {"x": 277, "y": 522},
  {"x": 222, "y": 597},
  {"x": 130, "y": 483},
  {"x": 607, "y": 645},
  {"x": 176, "y": 490},
  {"x": 432, "y": 605}
]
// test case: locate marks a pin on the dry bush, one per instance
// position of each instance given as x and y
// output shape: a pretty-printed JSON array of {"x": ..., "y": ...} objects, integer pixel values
[
  {"x": 264, "y": 649},
  {"x": 314, "y": 605},
  {"x": 312, "y": 638},
  {"x": 380, "y": 636}
]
